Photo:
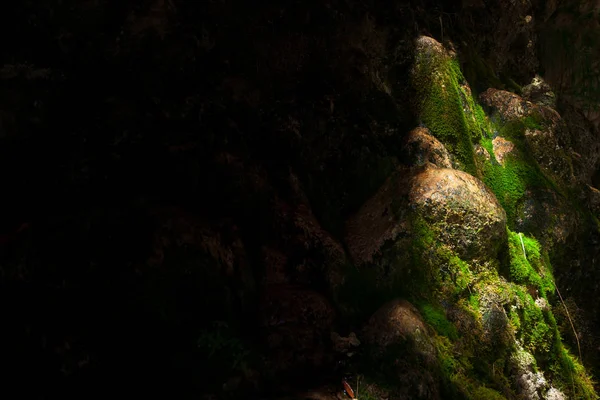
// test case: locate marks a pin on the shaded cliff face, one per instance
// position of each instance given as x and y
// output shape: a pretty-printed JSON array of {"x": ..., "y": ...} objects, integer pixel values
[{"x": 232, "y": 200}]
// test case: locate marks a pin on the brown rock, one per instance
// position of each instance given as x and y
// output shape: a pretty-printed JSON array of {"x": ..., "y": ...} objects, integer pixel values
[
  {"x": 502, "y": 147},
  {"x": 431, "y": 48},
  {"x": 509, "y": 105},
  {"x": 551, "y": 156},
  {"x": 539, "y": 92},
  {"x": 465, "y": 214},
  {"x": 421, "y": 147},
  {"x": 593, "y": 196},
  {"x": 549, "y": 216}
]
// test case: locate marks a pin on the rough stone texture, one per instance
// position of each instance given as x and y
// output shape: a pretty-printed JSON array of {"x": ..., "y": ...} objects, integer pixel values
[
  {"x": 585, "y": 143},
  {"x": 512, "y": 25},
  {"x": 509, "y": 105},
  {"x": 495, "y": 324},
  {"x": 531, "y": 385},
  {"x": 465, "y": 213},
  {"x": 593, "y": 198},
  {"x": 421, "y": 147},
  {"x": 346, "y": 345},
  {"x": 431, "y": 49},
  {"x": 555, "y": 394},
  {"x": 181, "y": 103},
  {"x": 551, "y": 155},
  {"x": 502, "y": 147},
  {"x": 395, "y": 322}
]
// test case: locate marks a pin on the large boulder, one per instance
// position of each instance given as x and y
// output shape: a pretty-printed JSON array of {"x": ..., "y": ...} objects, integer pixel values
[{"x": 464, "y": 214}]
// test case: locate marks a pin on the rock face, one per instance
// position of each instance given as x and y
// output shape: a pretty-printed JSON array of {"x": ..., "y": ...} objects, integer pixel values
[{"x": 548, "y": 214}]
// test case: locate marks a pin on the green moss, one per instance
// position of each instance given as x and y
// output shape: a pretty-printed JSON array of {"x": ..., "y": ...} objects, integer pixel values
[
  {"x": 515, "y": 320},
  {"x": 519, "y": 171},
  {"x": 441, "y": 107},
  {"x": 483, "y": 392},
  {"x": 569, "y": 375},
  {"x": 460, "y": 379},
  {"x": 529, "y": 269},
  {"x": 536, "y": 332},
  {"x": 436, "y": 317}
]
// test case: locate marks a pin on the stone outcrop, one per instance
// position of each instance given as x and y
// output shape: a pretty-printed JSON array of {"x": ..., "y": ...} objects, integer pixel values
[{"x": 462, "y": 211}]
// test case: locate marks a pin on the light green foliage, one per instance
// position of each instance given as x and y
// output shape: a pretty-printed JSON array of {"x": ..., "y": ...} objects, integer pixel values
[
  {"x": 533, "y": 273},
  {"x": 474, "y": 303},
  {"x": 483, "y": 392}
]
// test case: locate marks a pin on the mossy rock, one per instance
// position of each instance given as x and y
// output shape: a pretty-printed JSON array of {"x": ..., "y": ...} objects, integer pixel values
[
  {"x": 440, "y": 101},
  {"x": 463, "y": 212},
  {"x": 540, "y": 129}
]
